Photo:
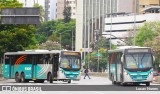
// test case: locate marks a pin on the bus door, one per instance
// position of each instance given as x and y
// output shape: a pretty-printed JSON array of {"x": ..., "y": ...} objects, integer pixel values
[
  {"x": 55, "y": 65},
  {"x": 118, "y": 66},
  {"x": 34, "y": 70}
]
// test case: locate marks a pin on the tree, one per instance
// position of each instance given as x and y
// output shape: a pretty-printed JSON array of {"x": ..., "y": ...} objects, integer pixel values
[
  {"x": 10, "y": 4},
  {"x": 103, "y": 45},
  {"x": 52, "y": 30},
  {"x": 67, "y": 14},
  {"x": 16, "y": 37},
  {"x": 147, "y": 33}
]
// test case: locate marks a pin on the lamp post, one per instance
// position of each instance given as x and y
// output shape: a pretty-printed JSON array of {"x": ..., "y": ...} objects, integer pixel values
[
  {"x": 111, "y": 22},
  {"x": 135, "y": 21},
  {"x": 98, "y": 61},
  {"x": 60, "y": 42}
]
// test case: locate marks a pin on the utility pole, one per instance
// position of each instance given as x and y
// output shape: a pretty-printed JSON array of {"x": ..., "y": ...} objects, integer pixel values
[
  {"x": 72, "y": 40},
  {"x": 135, "y": 8},
  {"x": 98, "y": 61},
  {"x": 60, "y": 42},
  {"x": 111, "y": 23}
]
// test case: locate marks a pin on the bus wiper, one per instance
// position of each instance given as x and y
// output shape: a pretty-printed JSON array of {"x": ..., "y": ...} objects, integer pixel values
[
  {"x": 142, "y": 57},
  {"x": 133, "y": 58}
]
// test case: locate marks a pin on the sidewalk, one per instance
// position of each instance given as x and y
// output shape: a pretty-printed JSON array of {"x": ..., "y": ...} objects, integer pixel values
[{"x": 156, "y": 82}]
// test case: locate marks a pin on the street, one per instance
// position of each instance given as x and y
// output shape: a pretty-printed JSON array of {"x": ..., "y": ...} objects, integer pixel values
[{"x": 95, "y": 85}]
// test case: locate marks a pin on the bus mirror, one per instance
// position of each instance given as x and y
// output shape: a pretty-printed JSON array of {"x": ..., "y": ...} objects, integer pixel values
[
  {"x": 122, "y": 59},
  {"x": 153, "y": 59}
]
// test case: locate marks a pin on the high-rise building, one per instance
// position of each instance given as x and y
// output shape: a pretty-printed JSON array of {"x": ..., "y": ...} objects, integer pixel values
[
  {"x": 89, "y": 20},
  {"x": 50, "y": 9},
  {"x": 61, "y": 4}
]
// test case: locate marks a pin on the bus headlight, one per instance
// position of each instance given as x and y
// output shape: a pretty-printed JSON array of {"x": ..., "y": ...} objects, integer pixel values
[{"x": 125, "y": 73}]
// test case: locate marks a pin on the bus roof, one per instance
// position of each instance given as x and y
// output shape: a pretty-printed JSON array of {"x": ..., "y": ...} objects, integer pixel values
[
  {"x": 36, "y": 52},
  {"x": 122, "y": 48}
]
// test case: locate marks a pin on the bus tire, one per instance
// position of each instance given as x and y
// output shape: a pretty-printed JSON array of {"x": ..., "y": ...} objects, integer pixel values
[
  {"x": 50, "y": 78},
  {"x": 69, "y": 81},
  {"x": 17, "y": 78},
  {"x": 39, "y": 81},
  {"x": 113, "y": 82},
  {"x": 22, "y": 78},
  {"x": 147, "y": 83}
]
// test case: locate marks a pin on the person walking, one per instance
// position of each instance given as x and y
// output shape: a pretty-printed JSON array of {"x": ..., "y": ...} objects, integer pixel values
[{"x": 86, "y": 73}]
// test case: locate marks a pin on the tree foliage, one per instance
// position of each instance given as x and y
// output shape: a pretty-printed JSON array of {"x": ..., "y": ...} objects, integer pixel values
[
  {"x": 103, "y": 46},
  {"x": 10, "y": 4},
  {"x": 15, "y": 37},
  {"x": 149, "y": 35},
  {"x": 67, "y": 14},
  {"x": 52, "y": 30}
]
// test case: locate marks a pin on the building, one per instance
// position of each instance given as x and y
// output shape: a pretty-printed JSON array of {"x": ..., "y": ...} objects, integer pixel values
[
  {"x": 30, "y": 3},
  {"x": 89, "y": 20},
  {"x": 60, "y": 8},
  {"x": 50, "y": 9},
  {"x": 142, "y": 4},
  {"x": 91, "y": 16},
  {"x": 48, "y": 5},
  {"x": 123, "y": 26},
  {"x": 61, "y": 4}
]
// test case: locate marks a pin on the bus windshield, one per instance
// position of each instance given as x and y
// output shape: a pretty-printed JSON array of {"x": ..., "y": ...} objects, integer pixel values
[
  {"x": 70, "y": 62},
  {"x": 138, "y": 60}
]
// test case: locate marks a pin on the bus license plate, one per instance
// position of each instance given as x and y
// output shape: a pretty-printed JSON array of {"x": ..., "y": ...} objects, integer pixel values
[
  {"x": 139, "y": 77},
  {"x": 71, "y": 76}
]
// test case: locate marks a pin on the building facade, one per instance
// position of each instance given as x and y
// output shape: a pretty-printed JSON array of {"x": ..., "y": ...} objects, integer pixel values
[
  {"x": 91, "y": 16},
  {"x": 61, "y": 4},
  {"x": 142, "y": 4},
  {"x": 123, "y": 26},
  {"x": 90, "y": 20}
]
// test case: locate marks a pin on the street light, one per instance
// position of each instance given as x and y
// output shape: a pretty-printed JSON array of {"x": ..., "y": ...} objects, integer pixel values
[
  {"x": 98, "y": 61},
  {"x": 60, "y": 41},
  {"x": 135, "y": 22}
]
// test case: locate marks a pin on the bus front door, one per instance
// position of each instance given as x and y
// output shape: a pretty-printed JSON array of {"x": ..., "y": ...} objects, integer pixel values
[{"x": 55, "y": 65}]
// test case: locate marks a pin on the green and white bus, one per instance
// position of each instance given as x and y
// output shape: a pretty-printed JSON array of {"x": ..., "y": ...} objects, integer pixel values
[
  {"x": 131, "y": 65},
  {"x": 41, "y": 65}
]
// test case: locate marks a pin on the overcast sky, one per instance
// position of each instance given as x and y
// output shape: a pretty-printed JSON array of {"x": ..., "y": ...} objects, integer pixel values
[{"x": 30, "y": 3}]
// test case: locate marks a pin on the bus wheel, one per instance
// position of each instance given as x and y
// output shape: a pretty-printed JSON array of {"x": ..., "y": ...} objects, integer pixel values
[
  {"x": 113, "y": 82},
  {"x": 147, "y": 83},
  {"x": 50, "y": 78},
  {"x": 17, "y": 78},
  {"x": 23, "y": 78},
  {"x": 69, "y": 81},
  {"x": 39, "y": 81}
]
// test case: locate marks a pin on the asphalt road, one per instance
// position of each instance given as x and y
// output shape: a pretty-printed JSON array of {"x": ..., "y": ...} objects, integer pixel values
[{"x": 95, "y": 85}]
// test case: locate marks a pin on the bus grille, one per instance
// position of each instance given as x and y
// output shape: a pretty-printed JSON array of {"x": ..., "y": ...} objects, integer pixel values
[{"x": 139, "y": 77}]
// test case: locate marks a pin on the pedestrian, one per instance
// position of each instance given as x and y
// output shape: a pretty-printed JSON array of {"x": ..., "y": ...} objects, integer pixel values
[{"x": 86, "y": 73}]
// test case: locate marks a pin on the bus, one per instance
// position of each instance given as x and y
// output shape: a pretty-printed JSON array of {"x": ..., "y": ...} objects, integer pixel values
[
  {"x": 131, "y": 65},
  {"x": 41, "y": 65}
]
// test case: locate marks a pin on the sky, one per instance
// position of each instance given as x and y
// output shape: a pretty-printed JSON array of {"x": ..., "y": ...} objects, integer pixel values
[{"x": 30, "y": 3}]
